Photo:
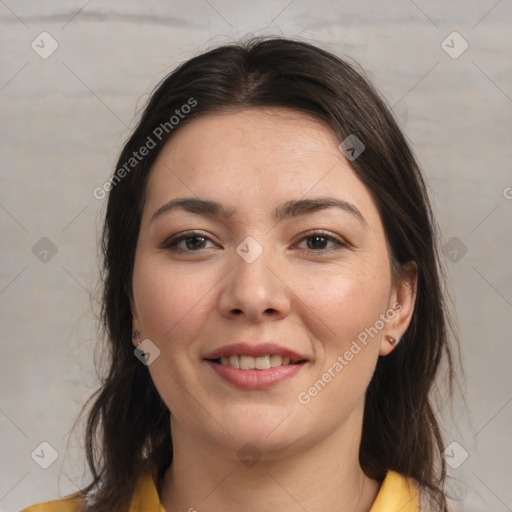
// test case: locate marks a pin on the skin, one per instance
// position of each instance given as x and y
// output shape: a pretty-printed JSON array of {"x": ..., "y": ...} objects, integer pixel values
[{"x": 314, "y": 299}]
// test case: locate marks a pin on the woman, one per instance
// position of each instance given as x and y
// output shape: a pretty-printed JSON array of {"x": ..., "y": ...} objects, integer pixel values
[{"x": 271, "y": 254}]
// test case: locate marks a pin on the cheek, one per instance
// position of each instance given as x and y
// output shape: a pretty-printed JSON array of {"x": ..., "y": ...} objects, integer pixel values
[
  {"x": 168, "y": 300},
  {"x": 343, "y": 302},
  {"x": 339, "y": 313}
]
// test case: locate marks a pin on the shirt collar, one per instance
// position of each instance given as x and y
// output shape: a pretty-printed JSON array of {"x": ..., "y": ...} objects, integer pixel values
[
  {"x": 145, "y": 497},
  {"x": 397, "y": 492}
]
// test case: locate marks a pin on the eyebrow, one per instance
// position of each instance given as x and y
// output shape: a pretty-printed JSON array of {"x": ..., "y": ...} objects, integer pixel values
[{"x": 290, "y": 209}]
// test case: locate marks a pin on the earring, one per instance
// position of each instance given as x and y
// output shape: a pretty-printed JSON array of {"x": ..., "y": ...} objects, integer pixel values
[
  {"x": 390, "y": 339},
  {"x": 135, "y": 334}
]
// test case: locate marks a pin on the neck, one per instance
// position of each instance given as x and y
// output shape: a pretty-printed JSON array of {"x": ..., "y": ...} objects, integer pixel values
[{"x": 323, "y": 477}]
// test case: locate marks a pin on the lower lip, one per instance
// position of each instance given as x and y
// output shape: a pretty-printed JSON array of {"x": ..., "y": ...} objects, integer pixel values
[{"x": 255, "y": 379}]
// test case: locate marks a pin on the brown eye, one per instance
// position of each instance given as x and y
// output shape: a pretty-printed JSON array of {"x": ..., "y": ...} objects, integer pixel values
[
  {"x": 317, "y": 242},
  {"x": 189, "y": 242},
  {"x": 195, "y": 242}
]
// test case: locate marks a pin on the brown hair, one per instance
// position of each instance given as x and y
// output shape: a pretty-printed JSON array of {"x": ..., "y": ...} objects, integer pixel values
[{"x": 128, "y": 427}]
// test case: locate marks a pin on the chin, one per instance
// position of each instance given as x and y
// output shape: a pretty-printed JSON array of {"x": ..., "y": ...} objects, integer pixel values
[{"x": 270, "y": 429}]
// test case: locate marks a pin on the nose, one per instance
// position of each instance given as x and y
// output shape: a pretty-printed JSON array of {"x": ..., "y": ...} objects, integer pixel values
[{"x": 254, "y": 291}]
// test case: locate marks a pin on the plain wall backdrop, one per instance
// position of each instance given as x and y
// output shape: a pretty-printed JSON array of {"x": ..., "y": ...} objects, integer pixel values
[{"x": 74, "y": 74}]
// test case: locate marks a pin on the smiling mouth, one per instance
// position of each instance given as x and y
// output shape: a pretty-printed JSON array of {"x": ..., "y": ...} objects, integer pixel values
[{"x": 242, "y": 362}]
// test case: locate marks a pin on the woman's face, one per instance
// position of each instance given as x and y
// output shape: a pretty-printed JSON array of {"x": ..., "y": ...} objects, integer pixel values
[{"x": 277, "y": 258}]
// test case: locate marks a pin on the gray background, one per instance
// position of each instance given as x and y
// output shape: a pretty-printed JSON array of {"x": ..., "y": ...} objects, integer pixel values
[{"x": 65, "y": 117}]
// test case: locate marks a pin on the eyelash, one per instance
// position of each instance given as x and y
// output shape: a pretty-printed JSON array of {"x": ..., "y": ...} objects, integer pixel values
[{"x": 171, "y": 243}]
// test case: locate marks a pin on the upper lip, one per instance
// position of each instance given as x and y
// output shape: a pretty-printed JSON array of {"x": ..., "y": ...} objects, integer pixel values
[{"x": 261, "y": 349}]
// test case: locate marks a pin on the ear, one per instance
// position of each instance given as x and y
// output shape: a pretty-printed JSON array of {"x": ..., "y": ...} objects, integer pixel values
[
  {"x": 135, "y": 322},
  {"x": 401, "y": 307}
]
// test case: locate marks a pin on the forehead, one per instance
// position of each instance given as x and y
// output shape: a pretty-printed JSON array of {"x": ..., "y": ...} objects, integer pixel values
[
  {"x": 252, "y": 133},
  {"x": 259, "y": 157}
]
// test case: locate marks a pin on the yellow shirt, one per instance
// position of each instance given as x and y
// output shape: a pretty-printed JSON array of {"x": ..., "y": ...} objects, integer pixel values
[{"x": 397, "y": 494}]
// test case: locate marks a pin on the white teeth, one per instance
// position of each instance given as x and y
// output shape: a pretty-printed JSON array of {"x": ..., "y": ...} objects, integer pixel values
[
  {"x": 275, "y": 361},
  {"x": 246, "y": 363},
  {"x": 262, "y": 362},
  {"x": 255, "y": 363}
]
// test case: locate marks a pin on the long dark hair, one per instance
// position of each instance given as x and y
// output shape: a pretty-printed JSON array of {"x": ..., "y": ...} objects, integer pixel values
[{"x": 128, "y": 425}]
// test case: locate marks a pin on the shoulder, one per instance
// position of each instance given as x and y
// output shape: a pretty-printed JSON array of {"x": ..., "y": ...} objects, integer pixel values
[
  {"x": 70, "y": 503},
  {"x": 145, "y": 498},
  {"x": 397, "y": 492}
]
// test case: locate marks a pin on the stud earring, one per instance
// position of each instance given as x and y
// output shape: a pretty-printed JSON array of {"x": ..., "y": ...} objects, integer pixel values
[
  {"x": 390, "y": 339},
  {"x": 135, "y": 334}
]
